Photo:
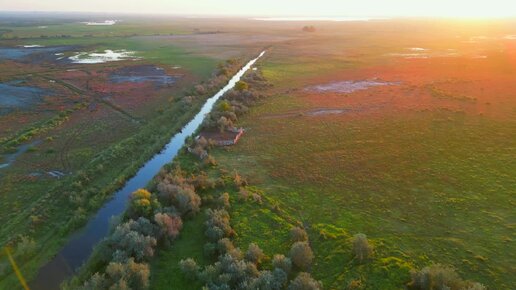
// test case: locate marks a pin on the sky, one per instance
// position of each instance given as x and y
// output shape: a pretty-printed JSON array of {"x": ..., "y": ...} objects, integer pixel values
[{"x": 313, "y": 8}]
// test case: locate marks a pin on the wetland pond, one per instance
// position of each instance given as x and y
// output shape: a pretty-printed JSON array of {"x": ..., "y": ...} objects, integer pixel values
[
  {"x": 81, "y": 244},
  {"x": 13, "y": 96},
  {"x": 8, "y": 159},
  {"x": 33, "y": 53},
  {"x": 141, "y": 74},
  {"x": 102, "y": 57},
  {"x": 350, "y": 86}
]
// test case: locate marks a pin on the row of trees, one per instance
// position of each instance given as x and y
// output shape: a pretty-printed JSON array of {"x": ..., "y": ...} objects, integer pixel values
[
  {"x": 236, "y": 102},
  {"x": 218, "y": 79},
  {"x": 441, "y": 277},
  {"x": 151, "y": 220},
  {"x": 236, "y": 269}
]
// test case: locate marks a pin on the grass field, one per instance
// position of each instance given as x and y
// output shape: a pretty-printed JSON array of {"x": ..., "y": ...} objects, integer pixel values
[
  {"x": 423, "y": 163},
  {"x": 426, "y": 174}
]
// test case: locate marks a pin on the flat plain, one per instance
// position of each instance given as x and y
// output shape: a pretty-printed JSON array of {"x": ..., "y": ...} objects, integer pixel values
[
  {"x": 405, "y": 135},
  {"x": 403, "y": 130}
]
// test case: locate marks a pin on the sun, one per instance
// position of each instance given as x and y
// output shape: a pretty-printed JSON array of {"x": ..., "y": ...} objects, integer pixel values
[{"x": 475, "y": 9}]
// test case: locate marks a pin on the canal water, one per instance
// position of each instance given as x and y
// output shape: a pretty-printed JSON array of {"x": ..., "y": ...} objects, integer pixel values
[{"x": 81, "y": 244}]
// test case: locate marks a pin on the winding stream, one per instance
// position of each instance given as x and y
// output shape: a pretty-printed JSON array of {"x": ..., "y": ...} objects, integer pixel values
[{"x": 81, "y": 244}]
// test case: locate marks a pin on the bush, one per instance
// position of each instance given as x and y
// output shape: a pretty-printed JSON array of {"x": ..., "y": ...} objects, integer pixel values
[
  {"x": 127, "y": 275},
  {"x": 241, "y": 86},
  {"x": 224, "y": 124},
  {"x": 214, "y": 234},
  {"x": 142, "y": 203},
  {"x": 361, "y": 248},
  {"x": 354, "y": 284},
  {"x": 282, "y": 262},
  {"x": 223, "y": 200},
  {"x": 224, "y": 106},
  {"x": 239, "y": 180},
  {"x": 170, "y": 225},
  {"x": 189, "y": 268},
  {"x": 440, "y": 277},
  {"x": 239, "y": 271},
  {"x": 308, "y": 28},
  {"x": 201, "y": 181},
  {"x": 134, "y": 239},
  {"x": 210, "y": 160},
  {"x": 219, "y": 218},
  {"x": 268, "y": 280},
  {"x": 210, "y": 249},
  {"x": 254, "y": 254},
  {"x": 188, "y": 201},
  {"x": 200, "y": 89},
  {"x": 225, "y": 245},
  {"x": 304, "y": 281},
  {"x": 298, "y": 234},
  {"x": 26, "y": 247},
  {"x": 301, "y": 255}
]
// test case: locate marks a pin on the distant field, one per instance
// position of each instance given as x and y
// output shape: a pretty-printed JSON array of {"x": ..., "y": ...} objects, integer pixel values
[{"x": 80, "y": 29}]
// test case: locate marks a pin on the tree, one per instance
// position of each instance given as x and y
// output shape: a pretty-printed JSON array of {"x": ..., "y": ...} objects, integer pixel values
[
  {"x": 361, "y": 248},
  {"x": 130, "y": 274},
  {"x": 189, "y": 268},
  {"x": 170, "y": 224},
  {"x": 199, "y": 89},
  {"x": 225, "y": 245},
  {"x": 202, "y": 142},
  {"x": 282, "y": 262},
  {"x": 239, "y": 180},
  {"x": 304, "y": 281},
  {"x": 142, "y": 203},
  {"x": 120, "y": 275},
  {"x": 301, "y": 255},
  {"x": 219, "y": 218},
  {"x": 96, "y": 281},
  {"x": 298, "y": 234},
  {"x": 309, "y": 28},
  {"x": 241, "y": 86},
  {"x": 224, "y": 123},
  {"x": 224, "y": 106},
  {"x": 268, "y": 280},
  {"x": 223, "y": 200},
  {"x": 214, "y": 233},
  {"x": 254, "y": 254},
  {"x": 188, "y": 201},
  {"x": 437, "y": 277},
  {"x": 127, "y": 238},
  {"x": 210, "y": 160}
]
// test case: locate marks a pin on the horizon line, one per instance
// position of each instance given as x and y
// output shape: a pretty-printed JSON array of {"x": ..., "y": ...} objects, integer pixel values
[{"x": 262, "y": 17}]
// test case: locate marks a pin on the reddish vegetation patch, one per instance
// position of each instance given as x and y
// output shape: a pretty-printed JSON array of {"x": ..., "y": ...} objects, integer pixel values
[
  {"x": 104, "y": 87},
  {"x": 131, "y": 96},
  {"x": 476, "y": 86}
]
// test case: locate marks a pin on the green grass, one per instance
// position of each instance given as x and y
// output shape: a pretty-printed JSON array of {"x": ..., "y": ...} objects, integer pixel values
[
  {"x": 165, "y": 271},
  {"x": 425, "y": 187}
]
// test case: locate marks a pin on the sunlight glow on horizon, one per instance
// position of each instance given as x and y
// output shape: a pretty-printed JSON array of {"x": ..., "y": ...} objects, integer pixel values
[{"x": 285, "y": 8}]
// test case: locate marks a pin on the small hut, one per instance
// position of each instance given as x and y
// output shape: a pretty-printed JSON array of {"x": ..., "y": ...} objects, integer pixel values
[{"x": 226, "y": 138}]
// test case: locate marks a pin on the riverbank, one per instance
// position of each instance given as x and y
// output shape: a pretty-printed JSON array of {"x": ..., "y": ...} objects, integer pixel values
[
  {"x": 76, "y": 251},
  {"x": 107, "y": 172}
]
